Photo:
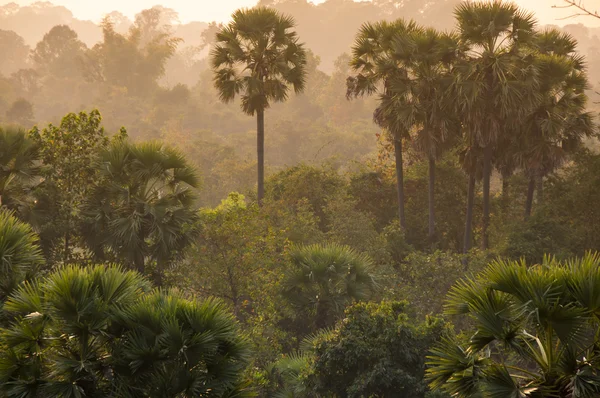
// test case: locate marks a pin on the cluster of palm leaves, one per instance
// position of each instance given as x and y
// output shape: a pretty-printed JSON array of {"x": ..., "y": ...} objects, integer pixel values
[
  {"x": 103, "y": 332},
  {"x": 325, "y": 279},
  {"x": 20, "y": 257},
  {"x": 142, "y": 207},
  {"x": 536, "y": 332},
  {"x": 497, "y": 91},
  {"x": 18, "y": 169}
]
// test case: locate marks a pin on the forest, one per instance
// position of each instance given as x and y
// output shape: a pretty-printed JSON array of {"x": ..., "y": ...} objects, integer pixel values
[{"x": 244, "y": 209}]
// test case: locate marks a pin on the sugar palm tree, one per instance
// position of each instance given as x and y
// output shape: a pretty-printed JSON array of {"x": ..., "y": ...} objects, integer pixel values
[
  {"x": 535, "y": 332},
  {"x": 559, "y": 121},
  {"x": 143, "y": 207},
  {"x": 18, "y": 167},
  {"x": 375, "y": 64},
  {"x": 258, "y": 57},
  {"x": 323, "y": 279},
  {"x": 497, "y": 82},
  {"x": 428, "y": 109},
  {"x": 103, "y": 332}
]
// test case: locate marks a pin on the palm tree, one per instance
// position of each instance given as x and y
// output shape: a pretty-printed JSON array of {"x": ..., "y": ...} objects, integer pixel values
[
  {"x": 560, "y": 120},
  {"x": 535, "y": 332},
  {"x": 18, "y": 167},
  {"x": 20, "y": 256},
  {"x": 258, "y": 56},
  {"x": 497, "y": 82},
  {"x": 103, "y": 332},
  {"x": 428, "y": 56},
  {"x": 375, "y": 65},
  {"x": 142, "y": 208},
  {"x": 324, "y": 279}
]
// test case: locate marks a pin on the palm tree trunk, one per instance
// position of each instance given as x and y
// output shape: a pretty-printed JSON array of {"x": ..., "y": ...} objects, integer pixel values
[
  {"x": 469, "y": 218},
  {"x": 260, "y": 151},
  {"x": 487, "y": 174},
  {"x": 540, "y": 189},
  {"x": 505, "y": 190},
  {"x": 431, "y": 200},
  {"x": 529, "y": 200},
  {"x": 400, "y": 181}
]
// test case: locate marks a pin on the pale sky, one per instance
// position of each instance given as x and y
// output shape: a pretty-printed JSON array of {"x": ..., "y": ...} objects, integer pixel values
[{"x": 220, "y": 10}]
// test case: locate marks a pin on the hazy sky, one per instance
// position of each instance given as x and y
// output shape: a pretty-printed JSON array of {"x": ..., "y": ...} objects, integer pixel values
[{"x": 219, "y": 10}]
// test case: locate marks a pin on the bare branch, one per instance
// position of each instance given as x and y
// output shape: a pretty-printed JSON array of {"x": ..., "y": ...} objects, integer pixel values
[{"x": 578, "y": 4}]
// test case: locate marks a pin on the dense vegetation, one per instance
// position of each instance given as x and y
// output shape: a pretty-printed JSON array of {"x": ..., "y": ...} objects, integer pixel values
[{"x": 199, "y": 252}]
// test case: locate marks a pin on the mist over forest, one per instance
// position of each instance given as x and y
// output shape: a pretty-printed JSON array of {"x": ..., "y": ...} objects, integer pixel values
[{"x": 387, "y": 198}]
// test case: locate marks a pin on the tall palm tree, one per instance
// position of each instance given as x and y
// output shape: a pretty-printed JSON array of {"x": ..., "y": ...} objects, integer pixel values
[
  {"x": 375, "y": 65},
  {"x": 535, "y": 332},
  {"x": 18, "y": 167},
  {"x": 258, "y": 56},
  {"x": 559, "y": 121},
  {"x": 103, "y": 332},
  {"x": 427, "y": 108},
  {"x": 142, "y": 208},
  {"x": 497, "y": 81},
  {"x": 325, "y": 278}
]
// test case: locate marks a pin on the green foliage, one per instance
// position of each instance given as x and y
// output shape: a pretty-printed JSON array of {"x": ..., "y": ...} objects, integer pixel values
[
  {"x": 535, "y": 332},
  {"x": 102, "y": 332},
  {"x": 324, "y": 279},
  {"x": 377, "y": 351},
  {"x": 303, "y": 182},
  {"x": 424, "y": 279},
  {"x": 142, "y": 206},
  {"x": 19, "y": 170},
  {"x": 239, "y": 256},
  {"x": 20, "y": 256},
  {"x": 537, "y": 237},
  {"x": 570, "y": 202},
  {"x": 68, "y": 153}
]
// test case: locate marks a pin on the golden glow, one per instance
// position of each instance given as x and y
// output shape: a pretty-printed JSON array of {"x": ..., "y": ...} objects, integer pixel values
[{"x": 220, "y": 10}]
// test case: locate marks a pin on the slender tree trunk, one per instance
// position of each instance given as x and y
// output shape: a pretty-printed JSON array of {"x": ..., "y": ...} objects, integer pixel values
[
  {"x": 431, "y": 200},
  {"x": 66, "y": 256},
  {"x": 400, "y": 181},
  {"x": 540, "y": 189},
  {"x": 529, "y": 200},
  {"x": 67, "y": 238},
  {"x": 487, "y": 174},
  {"x": 469, "y": 217},
  {"x": 505, "y": 190},
  {"x": 260, "y": 151}
]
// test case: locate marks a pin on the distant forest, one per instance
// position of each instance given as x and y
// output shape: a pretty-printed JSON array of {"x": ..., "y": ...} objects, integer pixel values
[{"x": 152, "y": 76}]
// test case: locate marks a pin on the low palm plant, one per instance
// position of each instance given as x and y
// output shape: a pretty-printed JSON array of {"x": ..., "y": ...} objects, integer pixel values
[
  {"x": 535, "y": 332},
  {"x": 324, "y": 279},
  {"x": 103, "y": 332}
]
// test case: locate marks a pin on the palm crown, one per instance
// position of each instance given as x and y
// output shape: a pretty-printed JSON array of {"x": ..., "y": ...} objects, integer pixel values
[
  {"x": 259, "y": 57},
  {"x": 143, "y": 204}
]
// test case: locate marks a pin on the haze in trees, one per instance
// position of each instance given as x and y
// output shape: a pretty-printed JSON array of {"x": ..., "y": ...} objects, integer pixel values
[{"x": 298, "y": 202}]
